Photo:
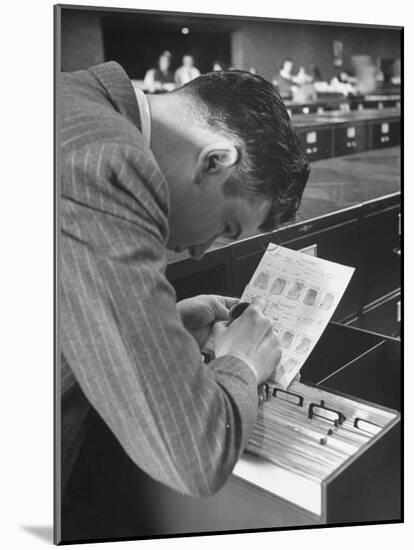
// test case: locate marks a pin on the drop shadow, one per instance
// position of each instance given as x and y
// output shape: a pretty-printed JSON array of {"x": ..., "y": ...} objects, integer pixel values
[{"x": 44, "y": 532}]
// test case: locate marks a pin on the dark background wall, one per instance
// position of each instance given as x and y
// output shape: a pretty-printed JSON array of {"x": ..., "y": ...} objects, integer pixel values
[
  {"x": 137, "y": 48},
  {"x": 135, "y": 40},
  {"x": 81, "y": 39}
]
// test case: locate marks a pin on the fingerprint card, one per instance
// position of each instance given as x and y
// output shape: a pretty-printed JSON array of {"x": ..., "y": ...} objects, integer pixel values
[{"x": 302, "y": 293}]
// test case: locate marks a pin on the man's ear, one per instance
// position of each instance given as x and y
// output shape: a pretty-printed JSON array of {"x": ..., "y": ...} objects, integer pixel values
[{"x": 217, "y": 158}]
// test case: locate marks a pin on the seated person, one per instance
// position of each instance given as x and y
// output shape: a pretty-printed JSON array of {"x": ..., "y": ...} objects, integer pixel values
[
  {"x": 284, "y": 81},
  {"x": 186, "y": 72},
  {"x": 302, "y": 77},
  {"x": 344, "y": 83},
  {"x": 160, "y": 79}
]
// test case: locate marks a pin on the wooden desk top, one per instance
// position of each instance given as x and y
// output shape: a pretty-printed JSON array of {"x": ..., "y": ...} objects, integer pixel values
[
  {"x": 343, "y": 182},
  {"x": 339, "y": 117},
  {"x": 332, "y": 99}
]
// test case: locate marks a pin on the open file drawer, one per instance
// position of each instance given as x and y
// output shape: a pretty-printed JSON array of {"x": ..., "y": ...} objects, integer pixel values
[
  {"x": 366, "y": 487},
  {"x": 361, "y": 479},
  {"x": 260, "y": 495}
]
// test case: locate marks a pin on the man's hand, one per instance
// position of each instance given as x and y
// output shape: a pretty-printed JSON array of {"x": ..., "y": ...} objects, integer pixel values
[
  {"x": 200, "y": 313},
  {"x": 252, "y": 339}
]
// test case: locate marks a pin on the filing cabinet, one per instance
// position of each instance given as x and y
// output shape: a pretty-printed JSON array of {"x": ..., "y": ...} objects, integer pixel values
[
  {"x": 357, "y": 105},
  {"x": 350, "y": 130},
  {"x": 384, "y": 317},
  {"x": 349, "y": 104},
  {"x": 381, "y": 252},
  {"x": 210, "y": 275},
  {"x": 350, "y": 139},
  {"x": 317, "y": 142},
  {"x": 383, "y": 103},
  {"x": 385, "y": 134}
]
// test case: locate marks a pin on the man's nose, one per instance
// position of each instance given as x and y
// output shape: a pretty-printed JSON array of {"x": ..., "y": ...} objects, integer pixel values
[{"x": 197, "y": 252}]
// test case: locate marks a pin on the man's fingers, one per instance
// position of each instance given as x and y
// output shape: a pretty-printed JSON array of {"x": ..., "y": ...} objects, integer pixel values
[
  {"x": 218, "y": 328},
  {"x": 229, "y": 301},
  {"x": 259, "y": 302}
]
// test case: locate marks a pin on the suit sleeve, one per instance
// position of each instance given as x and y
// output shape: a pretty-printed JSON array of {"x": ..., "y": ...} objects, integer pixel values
[{"x": 183, "y": 422}]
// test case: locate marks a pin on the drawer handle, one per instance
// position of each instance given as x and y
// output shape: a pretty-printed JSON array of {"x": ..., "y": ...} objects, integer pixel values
[
  {"x": 326, "y": 413},
  {"x": 367, "y": 426},
  {"x": 397, "y": 252},
  {"x": 305, "y": 228}
]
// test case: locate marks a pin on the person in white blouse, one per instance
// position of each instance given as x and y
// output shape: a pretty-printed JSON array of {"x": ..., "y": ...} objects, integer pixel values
[{"x": 186, "y": 72}]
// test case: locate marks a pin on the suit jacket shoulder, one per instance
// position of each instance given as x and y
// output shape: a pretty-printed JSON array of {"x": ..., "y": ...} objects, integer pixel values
[
  {"x": 98, "y": 104},
  {"x": 100, "y": 135}
]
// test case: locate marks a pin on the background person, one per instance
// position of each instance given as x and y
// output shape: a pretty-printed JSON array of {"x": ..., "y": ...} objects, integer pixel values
[
  {"x": 160, "y": 79},
  {"x": 284, "y": 79},
  {"x": 186, "y": 72}
]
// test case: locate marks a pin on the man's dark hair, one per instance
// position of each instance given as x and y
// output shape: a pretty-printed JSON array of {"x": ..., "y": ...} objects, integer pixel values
[{"x": 272, "y": 162}]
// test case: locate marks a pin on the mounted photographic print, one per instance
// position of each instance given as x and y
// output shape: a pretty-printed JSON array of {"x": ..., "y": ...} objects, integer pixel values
[{"x": 228, "y": 284}]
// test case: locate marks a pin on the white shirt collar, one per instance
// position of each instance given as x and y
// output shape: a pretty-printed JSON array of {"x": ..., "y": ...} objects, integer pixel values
[{"x": 145, "y": 115}]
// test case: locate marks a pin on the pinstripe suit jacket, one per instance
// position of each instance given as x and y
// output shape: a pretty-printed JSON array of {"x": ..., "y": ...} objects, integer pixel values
[{"x": 125, "y": 351}]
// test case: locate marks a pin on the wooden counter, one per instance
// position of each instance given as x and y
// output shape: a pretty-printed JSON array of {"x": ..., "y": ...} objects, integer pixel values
[
  {"x": 349, "y": 181},
  {"x": 331, "y": 102}
]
